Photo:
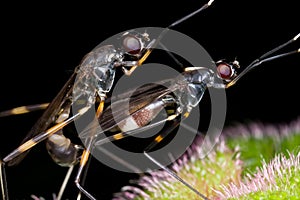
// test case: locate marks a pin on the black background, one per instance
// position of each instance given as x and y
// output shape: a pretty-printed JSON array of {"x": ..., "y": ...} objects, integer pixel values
[{"x": 42, "y": 43}]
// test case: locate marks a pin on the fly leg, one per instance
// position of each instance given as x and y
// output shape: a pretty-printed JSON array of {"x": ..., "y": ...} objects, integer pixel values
[
  {"x": 23, "y": 109},
  {"x": 40, "y": 137},
  {"x": 3, "y": 182},
  {"x": 157, "y": 41},
  {"x": 64, "y": 184},
  {"x": 164, "y": 133},
  {"x": 15, "y": 111},
  {"x": 83, "y": 178},
  {"x": 31, "y": 143},
  {"x": 86, "y": 154}
]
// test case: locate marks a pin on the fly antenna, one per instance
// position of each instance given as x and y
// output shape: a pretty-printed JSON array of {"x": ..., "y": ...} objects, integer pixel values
[
  {"x": 280, "y": 47},
  {"x": 264, "y": 58},
  {"x": 191, "y": 14},
  {"x": 183, "y": 19},
  {"x": 162, "y": 34}
]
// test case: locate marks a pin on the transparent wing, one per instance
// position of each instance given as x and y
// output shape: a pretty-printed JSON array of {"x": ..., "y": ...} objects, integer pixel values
[
  {"x": 135, "y": 101},
  {"x": 48, "y": 117}
]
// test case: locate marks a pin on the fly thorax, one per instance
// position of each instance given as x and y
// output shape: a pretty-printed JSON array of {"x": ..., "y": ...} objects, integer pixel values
[
  {"x": 196, "y": 92},
  {"x": 197, "y": 82},
  {"x": 96, "y": 73}
]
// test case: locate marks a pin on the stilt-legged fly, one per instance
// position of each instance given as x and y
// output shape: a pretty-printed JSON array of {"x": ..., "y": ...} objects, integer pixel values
[
  {"x": 180, "y": 94},
  {"x": 90, "y": 82}
]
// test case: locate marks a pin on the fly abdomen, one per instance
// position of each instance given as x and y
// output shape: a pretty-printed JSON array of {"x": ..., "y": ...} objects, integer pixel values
[
  {"x": 143, "y": 116},
  {"x": 61, "y": 150}
]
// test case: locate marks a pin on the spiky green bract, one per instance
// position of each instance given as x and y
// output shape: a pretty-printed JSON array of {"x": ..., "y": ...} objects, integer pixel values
[
  {"x": 221, "y": 166},
  {"x": 253, "y": 173},
  {"x": 260, "y": 142},
  {"x": 280, "y": 179}
]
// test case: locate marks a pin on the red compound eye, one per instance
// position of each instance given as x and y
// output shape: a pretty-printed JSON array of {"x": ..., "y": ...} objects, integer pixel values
[
  {"x": 225, "y": 71},
  {"x": 132, "y": 45}
]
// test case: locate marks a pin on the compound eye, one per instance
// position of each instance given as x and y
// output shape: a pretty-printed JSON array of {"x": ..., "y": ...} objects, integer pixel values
[
  {"x": 225, "y": 71},
  {"x": 132, "y": 45}
]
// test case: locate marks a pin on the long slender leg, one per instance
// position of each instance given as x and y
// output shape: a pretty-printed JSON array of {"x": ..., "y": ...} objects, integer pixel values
[
  {"x": 15, "y": 111},
  {"x": 84, "y": 178},
  {"x": 3, "y": 182},
  {"x": 156, "y": 141},
  {"x": 40, "y": 137},
  {"x": 29, "y": 144},
  {"x": 92, "y": 142},
  {"x": 64, "y": 184},
  {"x": 161, "y": 35},
  {"x": 83, "y": 161},
  {"x": 86, "y": 153},
  {"x": 23, "y": 109}
]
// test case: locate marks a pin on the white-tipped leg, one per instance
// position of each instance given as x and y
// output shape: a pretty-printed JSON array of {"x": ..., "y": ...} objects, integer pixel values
[
  {"x": 174, "y": 175},
  {"x": 64, "y": 184},
  {"x": 165, "y": 132},
  {"x": 3, "y": 182}
]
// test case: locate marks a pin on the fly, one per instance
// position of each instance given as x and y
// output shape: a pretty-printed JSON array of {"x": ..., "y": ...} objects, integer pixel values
[
  {"x": 181, "y": 93},
  {"x": 91, "y": 81}
]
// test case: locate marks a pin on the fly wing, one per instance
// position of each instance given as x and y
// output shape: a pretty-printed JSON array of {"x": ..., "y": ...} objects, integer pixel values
[
  {"x": 125, "y": 104},
  {"x": 123, "y": 108},
  {"x": 48, "y": 117}
]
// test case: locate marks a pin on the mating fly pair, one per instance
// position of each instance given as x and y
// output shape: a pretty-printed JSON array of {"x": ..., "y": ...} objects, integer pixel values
[
  {"x": 91, "y": 81},
  {"x": 95, "y": 77},
  {"x": 179, "y": 95}
]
